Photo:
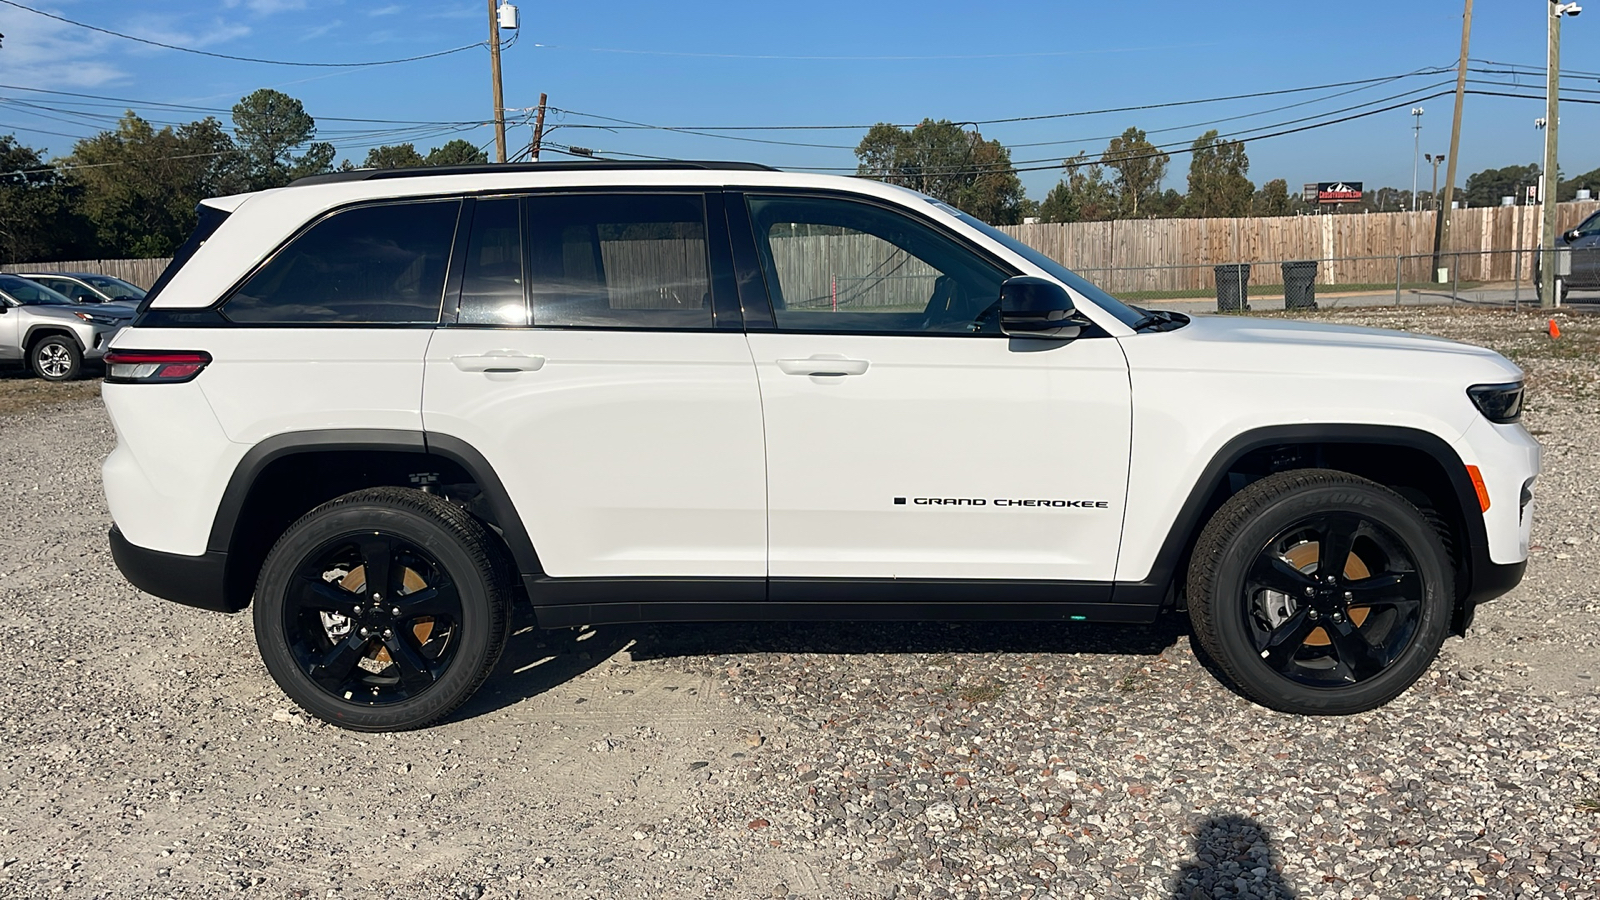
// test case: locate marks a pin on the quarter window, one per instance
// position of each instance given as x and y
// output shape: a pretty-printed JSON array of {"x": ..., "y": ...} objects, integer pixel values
[
  {"x": 619, "y": 261},
  {"x": 843, "y": 266},
  {"x": 369, "y": 265}
]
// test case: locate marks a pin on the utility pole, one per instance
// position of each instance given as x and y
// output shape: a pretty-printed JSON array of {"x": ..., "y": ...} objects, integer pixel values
[
  {"x": 1434, "y": 159},
  {"x": 538, "y": 130},
  {"x": 1441, "y": 222},
  {"x": 499, "y": 100},
  {"x": 1552, "y": 171},
  {"x": 1416, "y": 152}
]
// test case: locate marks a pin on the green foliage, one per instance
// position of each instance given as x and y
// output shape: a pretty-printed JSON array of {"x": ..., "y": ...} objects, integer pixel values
[
  {"x": 269, "y": 126},
  {"x": 1218, "y": 186},
  {"x": 1568, "y": 190},
  {"x": 944, "y": 160},
  {"x": 140, "y": 186},
  {"x": 39, "y": 219},
  {"x": 1140, "y": 169},
  {"x": 1272, "y": 199},
  {"x": 1083, "y": 196},
  {"x": 456, "y": 153},
  {"x": 394, "y": 156},
  {"x": 1487, "y": 187}
]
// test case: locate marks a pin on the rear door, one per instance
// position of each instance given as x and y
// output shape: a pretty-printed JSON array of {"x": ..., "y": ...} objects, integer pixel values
[
  {"x": 597, "y": 360},
  {"x": 10, "y": 332},
  {"x": 1586, "y": 256}
]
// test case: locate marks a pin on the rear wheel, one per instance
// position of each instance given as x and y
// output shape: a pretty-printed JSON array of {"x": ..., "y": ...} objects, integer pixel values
[
  {"x": 56, "y": 357},
  {"x": 1319, "y": 592},
  {"x": 382, "y": 610}
]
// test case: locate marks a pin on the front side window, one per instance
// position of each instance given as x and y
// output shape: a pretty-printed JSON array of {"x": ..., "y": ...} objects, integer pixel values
[
  {"x": 368, "y": 265},
  {"x": 619, "y": 261},
  {"x": 848, "y": 266}
]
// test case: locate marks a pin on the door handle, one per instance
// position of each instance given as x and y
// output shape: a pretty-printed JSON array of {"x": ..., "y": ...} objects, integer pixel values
[
  {"x": 823, "y": 365},
  {"x": 499, "y": 361}
]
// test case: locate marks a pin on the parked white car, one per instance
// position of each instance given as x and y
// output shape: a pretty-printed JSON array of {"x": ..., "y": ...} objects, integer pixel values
[{"x": 383, "y": 404}]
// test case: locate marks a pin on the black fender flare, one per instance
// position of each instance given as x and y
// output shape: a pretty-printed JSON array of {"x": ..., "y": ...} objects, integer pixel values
[
  {"x": 1485, "y": 578},
  {"x": 420, "y": 443},
  {"x": 51, "y": 328}
]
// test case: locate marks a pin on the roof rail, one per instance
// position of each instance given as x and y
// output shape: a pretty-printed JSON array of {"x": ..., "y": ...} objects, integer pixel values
[{"x": 554, "y": 166}]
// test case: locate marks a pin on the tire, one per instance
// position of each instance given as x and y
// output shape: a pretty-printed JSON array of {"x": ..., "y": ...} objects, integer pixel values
[
  {"x": 1355, "y": 642},
  {"x": 56, "y": 357},
  {"x": 414, "y": 654}
]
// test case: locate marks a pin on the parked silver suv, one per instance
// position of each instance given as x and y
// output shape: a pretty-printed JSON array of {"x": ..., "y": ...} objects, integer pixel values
[{"x": 51, "y": 333}]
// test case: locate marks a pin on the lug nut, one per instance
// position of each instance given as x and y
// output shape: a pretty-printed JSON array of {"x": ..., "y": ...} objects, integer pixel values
[
  {"x": 388, "y": 633},
  {"x": 1311, "y": 592},
  {"x": 366, "y": 633},
  {"x": 1311, "y": 614},
  {"x": 358, "y": 610},
  {"x": 1349, "y": 596},
  {"x": 395, "y": 611},
  {"x": 377, "y": 597}
]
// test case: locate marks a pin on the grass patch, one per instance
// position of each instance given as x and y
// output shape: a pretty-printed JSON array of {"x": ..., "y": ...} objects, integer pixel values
[
  {"x": 986, "y": 692},
  {"x": 1589, "y": 804}
]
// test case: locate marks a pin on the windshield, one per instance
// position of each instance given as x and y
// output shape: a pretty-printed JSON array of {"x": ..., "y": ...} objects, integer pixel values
[
  {"x": 115, "y": 288},
  {"x": 1124, "y": 313},
  {"x": 29, "y": 293}
]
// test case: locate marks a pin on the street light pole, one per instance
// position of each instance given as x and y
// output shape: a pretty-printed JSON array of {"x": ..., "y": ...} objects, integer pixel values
[
  {"x": 1552, "y": 172},
  {"x": 1434, "y": 159},
  {"x": 1416, "y": 115}
]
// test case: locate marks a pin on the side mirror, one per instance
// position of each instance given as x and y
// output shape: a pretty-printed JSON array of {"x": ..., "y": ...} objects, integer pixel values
[
  {"x": 1038, "y": 308},
  {"x": 1572, "y": 235}
]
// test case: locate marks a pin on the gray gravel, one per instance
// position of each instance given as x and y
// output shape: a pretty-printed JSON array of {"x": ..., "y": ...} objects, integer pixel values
[{"x": 145, "y": 753}]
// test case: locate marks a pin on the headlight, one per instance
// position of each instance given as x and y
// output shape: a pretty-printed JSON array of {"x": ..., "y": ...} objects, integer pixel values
[
  {"x": 97, "y": 320},
  {"x": 1499, "y": 403}
]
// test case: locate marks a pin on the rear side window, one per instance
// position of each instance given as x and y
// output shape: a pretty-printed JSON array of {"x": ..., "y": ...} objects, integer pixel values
[
  {"x": 492, "y": 282},
  {"x": 619, "y": 261},
  {"x": 369, "y": 265}
]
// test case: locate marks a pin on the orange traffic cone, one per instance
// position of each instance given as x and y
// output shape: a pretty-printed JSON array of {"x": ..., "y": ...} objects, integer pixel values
[{"x": 1555, "y": 330}]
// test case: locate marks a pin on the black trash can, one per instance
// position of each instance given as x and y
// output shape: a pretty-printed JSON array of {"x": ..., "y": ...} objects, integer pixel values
[
  {"x": 1233, "y": 287},
  {"x": 1300, "y": 284}
]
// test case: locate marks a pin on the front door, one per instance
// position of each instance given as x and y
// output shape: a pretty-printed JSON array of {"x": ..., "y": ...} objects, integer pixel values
[
  {"x": 1586, "y": 256},
  {"x": 616, "y": 403},
  {"x": 906, "y": 437}
]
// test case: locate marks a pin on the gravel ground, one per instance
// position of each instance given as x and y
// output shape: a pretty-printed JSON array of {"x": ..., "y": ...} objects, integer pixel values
[{"x": 145, "y": 753}]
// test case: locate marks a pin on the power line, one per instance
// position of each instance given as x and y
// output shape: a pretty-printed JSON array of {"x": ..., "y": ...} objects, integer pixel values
[{"x": 248, "y": 59}]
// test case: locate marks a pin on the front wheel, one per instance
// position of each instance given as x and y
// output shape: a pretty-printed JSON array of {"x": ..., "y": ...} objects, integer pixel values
[
  {"x": 382, "y": 610},
  {"x": 1319, "y": 592},
  {"x": 56, "y": 358}
]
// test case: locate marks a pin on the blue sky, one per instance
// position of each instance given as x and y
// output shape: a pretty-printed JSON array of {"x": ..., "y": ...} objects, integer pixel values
[{"x": 829, "y": 62}]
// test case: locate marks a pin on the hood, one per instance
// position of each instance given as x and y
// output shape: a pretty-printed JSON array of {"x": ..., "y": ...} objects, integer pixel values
[
  {"x": 116, "y": 311},
  {"x": 1256, "y": 345}
]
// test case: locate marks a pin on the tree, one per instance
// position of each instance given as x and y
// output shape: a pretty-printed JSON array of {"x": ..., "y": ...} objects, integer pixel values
[
  {"x": 1140, "y": 169},
  {"x": 944, "y": 160},
  {"x": 1083, "y": 196},
  {"x": 39, "y": 219},
  {"x": 140, "y": 186},
  {"x": 1272, "y": 199},
  {"x": 1487, "y": 187},
  {"x": 394, "y": 156},
  {"x": 1568, "y": 190},
  {"x": 1218, "y": 187},
  {"x": 269, "y": 126},
  {"x": 456, "y": 153}
]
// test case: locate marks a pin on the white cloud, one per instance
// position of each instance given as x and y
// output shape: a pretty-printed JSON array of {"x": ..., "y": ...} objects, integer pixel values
[
  {"x": 45, "y": 53},
  {"x": 389, "y": 10},
  {"x": 167, "y": 31},
  {"x": 321, "y": 30},
  {"x": 265, "y": 7}
]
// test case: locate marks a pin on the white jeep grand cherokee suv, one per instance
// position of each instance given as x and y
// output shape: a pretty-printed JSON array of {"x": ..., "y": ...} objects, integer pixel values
[{"x": 383, "y": 404}]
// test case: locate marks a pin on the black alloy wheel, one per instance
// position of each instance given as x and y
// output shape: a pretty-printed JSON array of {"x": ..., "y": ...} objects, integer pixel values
[
  {"x": 382, "y": 610},
  {"x": 1315, "y": 591}
]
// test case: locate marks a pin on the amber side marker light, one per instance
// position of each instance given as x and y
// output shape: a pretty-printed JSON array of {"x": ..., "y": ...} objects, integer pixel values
[{"x": 1477, "y": 485}]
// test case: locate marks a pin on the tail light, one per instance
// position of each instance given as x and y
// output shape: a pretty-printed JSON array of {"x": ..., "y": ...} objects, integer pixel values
[{"x": 154, "y": 366}]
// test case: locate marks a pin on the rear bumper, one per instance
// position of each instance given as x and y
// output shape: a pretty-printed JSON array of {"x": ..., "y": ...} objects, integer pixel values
[{"x": 191, "y": 580}]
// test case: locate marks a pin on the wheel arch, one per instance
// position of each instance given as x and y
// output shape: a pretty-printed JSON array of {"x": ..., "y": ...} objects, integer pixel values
[
  {"x": 1416, "y": 463},
  {"x": 287, "y": 475},
  {"x": 41, "y": 330}
]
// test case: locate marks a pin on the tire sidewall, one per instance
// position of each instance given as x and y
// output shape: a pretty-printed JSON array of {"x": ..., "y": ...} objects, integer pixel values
[
  {"x": 72, "y": 349},
  {"x": 325, "y": 526},
  {"x": 1370, "y": 501}
]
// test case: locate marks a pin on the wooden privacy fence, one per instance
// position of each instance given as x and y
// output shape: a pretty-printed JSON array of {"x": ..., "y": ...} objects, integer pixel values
[
  {"x": 142, "y": 272},
  {"x": 1178, "y": 254},
  {"x": 1489, "y": 244}
]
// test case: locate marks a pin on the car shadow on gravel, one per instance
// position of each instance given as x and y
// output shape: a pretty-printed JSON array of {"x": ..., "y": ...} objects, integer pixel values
[
  {"x": 536, "y": 661},
  {"x": 1233, "y": 857}
]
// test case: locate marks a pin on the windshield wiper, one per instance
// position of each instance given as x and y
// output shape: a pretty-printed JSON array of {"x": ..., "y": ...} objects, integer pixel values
[{"x": 1160, "y": 320}]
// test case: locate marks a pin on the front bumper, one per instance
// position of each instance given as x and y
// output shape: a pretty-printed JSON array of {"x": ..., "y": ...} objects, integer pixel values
[
  {"x": 197, "y": 581},
  {"x": 99, "y": 341}
]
